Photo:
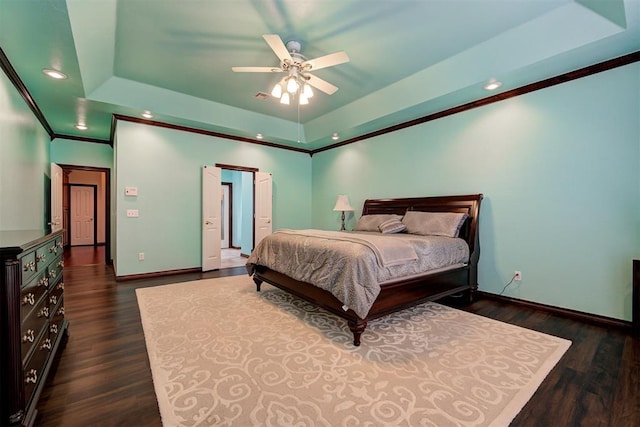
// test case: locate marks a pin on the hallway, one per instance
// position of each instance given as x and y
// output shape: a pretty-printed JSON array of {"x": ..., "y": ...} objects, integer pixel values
[
  {"x": 232, "y": 258},
  {"x": 83, "y": 255}
]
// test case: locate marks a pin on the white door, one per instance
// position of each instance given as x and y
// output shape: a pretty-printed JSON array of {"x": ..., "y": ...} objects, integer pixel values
[
  {"x": 82, "y": 215},
  {"x": 263, "y": 206},
  {"x": 56, "y": 197},
  {"x": 211, "y": 209}
]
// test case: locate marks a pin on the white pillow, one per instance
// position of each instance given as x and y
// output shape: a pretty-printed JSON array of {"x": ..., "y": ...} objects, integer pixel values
[{"x": 434, "y": 223}]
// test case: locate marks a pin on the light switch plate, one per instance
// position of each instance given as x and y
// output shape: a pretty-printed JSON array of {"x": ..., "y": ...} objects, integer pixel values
[{"x": 132, "y": 213}]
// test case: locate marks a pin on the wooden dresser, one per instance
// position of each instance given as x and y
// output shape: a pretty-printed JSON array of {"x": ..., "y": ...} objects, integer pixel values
[{"x": 32, "y": 321}]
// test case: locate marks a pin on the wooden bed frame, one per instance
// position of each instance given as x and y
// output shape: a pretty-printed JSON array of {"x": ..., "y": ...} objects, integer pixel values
[{"x": 405, "y": 293}]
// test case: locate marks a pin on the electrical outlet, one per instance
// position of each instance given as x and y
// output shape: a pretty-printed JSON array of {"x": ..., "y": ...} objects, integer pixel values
[
  {"x": 517, "y": 275},
  {"x": 141, "y": 256}
]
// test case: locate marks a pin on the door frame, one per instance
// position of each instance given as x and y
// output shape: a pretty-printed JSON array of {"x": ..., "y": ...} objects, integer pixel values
[
  {"x": 107, "y": 204},
  {"x": 229, "y": 212},
  {"x": 253, "y": 171},
  {"x": 95, "y": 212}
]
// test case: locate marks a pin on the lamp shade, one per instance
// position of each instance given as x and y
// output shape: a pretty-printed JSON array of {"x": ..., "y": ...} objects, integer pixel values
[{"x": 342, "y": 203}]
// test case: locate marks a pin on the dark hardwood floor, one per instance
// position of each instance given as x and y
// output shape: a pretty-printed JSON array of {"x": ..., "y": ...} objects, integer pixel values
[{"x": 102, "y": 377}]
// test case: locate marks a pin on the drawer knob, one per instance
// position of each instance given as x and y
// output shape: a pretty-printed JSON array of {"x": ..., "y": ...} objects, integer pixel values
[
  {"x": 43, "y": 282},
  {"x": 60, "y": 263},
  {"x": 41, "y": 257},
  {"x": 30, "y": 266},
  {"x": 53, "y": 299},
  {"x": 29, "y": 299},
  {"x": 46, "y": 345},
  {"x": 60, "y": 285},
  {"x": 54, "y": 328},
  {"x": 44, "y": 312},
  {"x": 52, "y": 273},
  {"x": 32, "y": 377},
  {"x": 53, "y": 249},
  {"x": 61, "y": 311},
  {"x": 29, "y": 336}
]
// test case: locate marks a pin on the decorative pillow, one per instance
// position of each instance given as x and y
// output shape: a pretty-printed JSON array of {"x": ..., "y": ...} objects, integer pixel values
[
  {"x": 372, "y": 222},
  {"x": 392, "y": 225},
  {"x": 434, "y": 223}
]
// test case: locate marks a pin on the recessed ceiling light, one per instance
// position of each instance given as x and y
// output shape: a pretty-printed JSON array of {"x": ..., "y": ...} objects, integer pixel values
[
  {"x": 147, "y": 115},
  {"x": 259, "y": 136},
  {"x": 54, "y": 74},
  {"x": 81, "y": 126},
  {"x": 335, "y": 136},
  {"x": 492, "y": 85}
]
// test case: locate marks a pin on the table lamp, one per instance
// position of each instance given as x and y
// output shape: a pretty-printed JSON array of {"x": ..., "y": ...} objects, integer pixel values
[{"x": 342, "y": 204}]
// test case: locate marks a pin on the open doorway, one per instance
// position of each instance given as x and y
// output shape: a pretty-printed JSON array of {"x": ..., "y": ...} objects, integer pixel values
[
  {"x": 236, "y": 216},
  {"x": 86, "y": 200},
  {"x": 250, "y": 211}
]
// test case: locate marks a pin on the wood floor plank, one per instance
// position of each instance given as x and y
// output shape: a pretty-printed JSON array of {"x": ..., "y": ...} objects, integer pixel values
[{"x": 102, "y": 377}]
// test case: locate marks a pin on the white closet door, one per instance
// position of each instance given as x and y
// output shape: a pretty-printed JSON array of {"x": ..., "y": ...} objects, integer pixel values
[
  {"x": 263, "y": 207},
  {"x": 211, "y": 222}
]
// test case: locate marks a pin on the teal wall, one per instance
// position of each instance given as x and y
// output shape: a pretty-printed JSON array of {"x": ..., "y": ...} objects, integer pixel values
[
  {"x": 166, "y": 166},
  {"x": 559, "y": 169},
  {"x": 78, "y": 153},
  {"x": 25, "y": 177}
]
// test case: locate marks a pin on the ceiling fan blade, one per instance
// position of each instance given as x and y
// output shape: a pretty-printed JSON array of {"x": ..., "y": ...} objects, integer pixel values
[
  {"x": 327, "y": 60},
  {"x": 256, "y": 69},
  {"x": 277, "y": 45},
  {"x": 322, "y": 85}
]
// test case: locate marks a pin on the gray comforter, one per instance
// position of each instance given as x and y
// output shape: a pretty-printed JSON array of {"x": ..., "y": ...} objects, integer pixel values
[{"x": 352, "y": 265}]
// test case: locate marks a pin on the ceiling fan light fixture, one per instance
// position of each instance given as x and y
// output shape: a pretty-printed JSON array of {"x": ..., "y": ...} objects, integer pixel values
[
  {"x": 81, "y": 126},
  {"x": 292, "y": 85},
  {"x": 276, "y": 92},
  {"x": 306, "y": 90},
  {"x": 298, "y": 78}
]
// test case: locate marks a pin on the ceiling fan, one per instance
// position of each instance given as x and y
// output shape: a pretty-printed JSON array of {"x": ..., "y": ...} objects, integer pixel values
[{"x": 298, "y": 69}]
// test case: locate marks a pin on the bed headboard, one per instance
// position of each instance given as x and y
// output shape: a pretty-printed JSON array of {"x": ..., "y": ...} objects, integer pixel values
[{"x": 469, "y": 204}]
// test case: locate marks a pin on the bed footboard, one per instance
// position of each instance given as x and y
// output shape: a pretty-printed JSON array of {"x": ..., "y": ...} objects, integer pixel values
[{"x": 393, "y": 297}]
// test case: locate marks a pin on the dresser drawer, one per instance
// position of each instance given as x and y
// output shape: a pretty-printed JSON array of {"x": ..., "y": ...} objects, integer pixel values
[
  {"x": 50, "y": 250},
  {"x": 59, "y": 310},
  {"x": 31, "y": 334},
  {"x": 28, "y": 265},
  {"x": 32, "y": 298},
  {"x": 34, "y": 367},
  {"x": 55, "y": 328},
  {"x": 54, "y": 270},
  {"x": 56, "y": 291},
  {"x": 32, "y": 292},
  {"x": 36, "y": 318}
]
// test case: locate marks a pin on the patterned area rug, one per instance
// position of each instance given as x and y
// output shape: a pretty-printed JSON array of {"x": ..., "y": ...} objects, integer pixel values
[{"x": 223, "y": 354}]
